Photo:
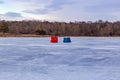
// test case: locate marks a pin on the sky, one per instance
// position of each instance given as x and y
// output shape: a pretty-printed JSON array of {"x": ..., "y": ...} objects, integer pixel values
[{"x": 60, "y": 10}]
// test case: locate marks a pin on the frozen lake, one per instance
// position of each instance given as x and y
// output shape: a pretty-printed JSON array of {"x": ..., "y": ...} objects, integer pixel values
[{"x": 38, "y": 59}]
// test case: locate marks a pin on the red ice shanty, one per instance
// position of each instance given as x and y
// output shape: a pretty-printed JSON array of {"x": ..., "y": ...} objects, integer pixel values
[{"x": 54, "y": 39}]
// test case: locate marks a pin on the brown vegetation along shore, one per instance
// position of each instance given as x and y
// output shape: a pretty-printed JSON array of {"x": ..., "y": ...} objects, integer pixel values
[
  {"x": 21, "y": 35},
  {"x": 45, "y": 28}
]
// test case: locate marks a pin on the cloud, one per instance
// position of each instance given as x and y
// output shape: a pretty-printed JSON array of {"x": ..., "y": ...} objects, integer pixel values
[
  {"x": 12, "y": 14},
  {"x": 58, "y": 4},
  {"x": 37, "y": 11},
  {"x": 104, "y": 6},
  {"x": 32, "y": 4},
  {"x": 54, "y": 6},
  {"x": 1, "y": 2},
  {"x": 66, "y": 10}
]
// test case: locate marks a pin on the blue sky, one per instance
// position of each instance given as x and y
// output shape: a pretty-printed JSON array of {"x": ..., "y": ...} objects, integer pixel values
[{"x": 60, "y": 10}]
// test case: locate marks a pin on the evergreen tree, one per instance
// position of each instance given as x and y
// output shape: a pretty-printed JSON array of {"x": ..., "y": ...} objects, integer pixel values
[{"x": 4, "y": 27}]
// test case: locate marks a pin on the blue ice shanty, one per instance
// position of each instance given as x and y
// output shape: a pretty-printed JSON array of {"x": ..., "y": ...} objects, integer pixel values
[{"x": 67, "y": 40}]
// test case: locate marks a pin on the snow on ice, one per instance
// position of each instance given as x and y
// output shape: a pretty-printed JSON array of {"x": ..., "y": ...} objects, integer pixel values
[{"x": 37, "y": 59}]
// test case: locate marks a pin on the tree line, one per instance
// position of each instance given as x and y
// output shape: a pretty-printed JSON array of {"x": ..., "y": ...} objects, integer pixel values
[{"x": 98, "y": 28}]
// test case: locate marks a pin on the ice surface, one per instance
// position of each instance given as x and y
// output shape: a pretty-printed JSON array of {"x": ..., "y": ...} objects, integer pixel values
[{"x": 38, "y": 59}]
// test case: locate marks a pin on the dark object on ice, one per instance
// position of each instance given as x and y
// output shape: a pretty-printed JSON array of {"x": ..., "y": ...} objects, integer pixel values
[
  {"x": 54, "y": 39},
  {"x": 66, "y": 40}
]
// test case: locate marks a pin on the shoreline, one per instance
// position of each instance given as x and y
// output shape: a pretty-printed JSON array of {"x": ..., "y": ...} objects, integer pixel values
[
  {"x": 21, "y": 35},
  {"x": 34, "y": 35}
]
